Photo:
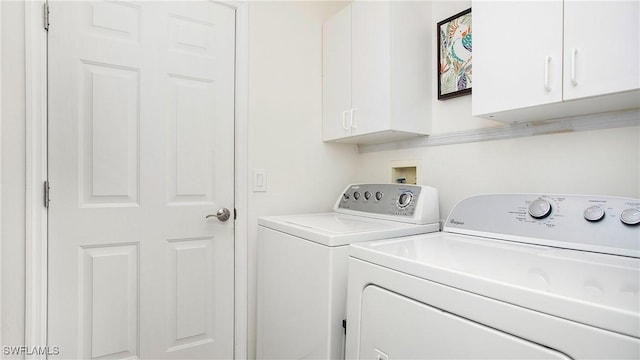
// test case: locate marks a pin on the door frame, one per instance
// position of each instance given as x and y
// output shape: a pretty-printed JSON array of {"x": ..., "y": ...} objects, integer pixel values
[
  {"x": 36, "y": 173},
  {"x": 1, "y": 342}
]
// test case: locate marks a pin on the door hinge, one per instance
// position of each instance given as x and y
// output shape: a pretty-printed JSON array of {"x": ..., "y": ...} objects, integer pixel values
[
  {"x": 235, "y": 214},
  {"x": 46, "y": 16},
  {"x": 344, "y": 325},
  {"x": 47, "y": 190}
]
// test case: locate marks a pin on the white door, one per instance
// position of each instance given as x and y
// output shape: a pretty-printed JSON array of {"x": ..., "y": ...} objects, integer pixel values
[
  {"x": 336, "y": 76},
  {"x": 601, "y": 47},
  {"x": 517, "y": 54},
  {"x": 371, "y": 66},
  {"x": 141, "y": 150},
  {"x": 398, "y": 327}
]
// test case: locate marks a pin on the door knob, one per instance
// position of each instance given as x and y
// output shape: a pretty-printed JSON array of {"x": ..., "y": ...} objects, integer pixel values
[{"x": 223, "y": 214}]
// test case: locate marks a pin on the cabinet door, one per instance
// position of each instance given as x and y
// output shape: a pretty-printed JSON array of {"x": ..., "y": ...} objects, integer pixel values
[
  {"x": 601, "y": 39},
  {"x": 336, "y": 76},
  {"x": 517, "y": 54},
  {"x": 371, "y": 66}
]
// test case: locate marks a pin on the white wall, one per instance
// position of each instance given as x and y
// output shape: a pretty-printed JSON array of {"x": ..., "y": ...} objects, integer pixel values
[
  {"x": 285, "y": 125},
  {"x": 603, "y": 162},
  {"x": 13, "y": 173}
]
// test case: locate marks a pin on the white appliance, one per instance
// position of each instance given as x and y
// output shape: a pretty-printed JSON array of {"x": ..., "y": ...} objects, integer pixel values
[
  {"x": 302, "y": 265},
  {"x": 512, "y": 276}
]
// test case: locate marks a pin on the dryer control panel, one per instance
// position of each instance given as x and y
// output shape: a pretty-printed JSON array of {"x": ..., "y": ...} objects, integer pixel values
[
  {"x": 602, "y": 224},
  {"x": 416, "y": 204}
]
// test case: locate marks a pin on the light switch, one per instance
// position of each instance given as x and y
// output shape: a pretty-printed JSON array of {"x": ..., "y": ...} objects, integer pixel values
[{"x": 259, "y": 180}]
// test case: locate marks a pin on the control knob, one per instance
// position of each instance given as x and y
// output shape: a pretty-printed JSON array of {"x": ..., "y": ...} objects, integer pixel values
[
  {"x": 630, "y": 216},
  {"x": 345, "y": 197},
  {"x": 594, "y": 213},
  {"x": 540, "y": 209},
  {"x": 379, "y": 195},
  {"x": 356, "y": 195},
  {"x": 367, "y": 195},
  {"x": 405, "y": 199}
]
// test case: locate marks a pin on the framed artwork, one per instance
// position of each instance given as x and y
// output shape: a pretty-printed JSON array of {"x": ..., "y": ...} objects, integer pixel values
[{"x": 454, "y": 56}]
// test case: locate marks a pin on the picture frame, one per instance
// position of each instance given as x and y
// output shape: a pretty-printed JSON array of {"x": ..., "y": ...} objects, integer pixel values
[{"x": 454, "y": 37}]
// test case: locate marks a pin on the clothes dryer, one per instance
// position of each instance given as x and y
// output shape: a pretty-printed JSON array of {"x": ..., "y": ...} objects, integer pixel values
[
  {"x": 302, "y": 265},
  {"x": 511, "y": 276}
]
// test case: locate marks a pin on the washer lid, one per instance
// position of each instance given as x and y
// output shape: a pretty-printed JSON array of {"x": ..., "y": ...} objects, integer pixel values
[
  {"x": 334, "y": 229},
  {"x": 596, "y": 289}
]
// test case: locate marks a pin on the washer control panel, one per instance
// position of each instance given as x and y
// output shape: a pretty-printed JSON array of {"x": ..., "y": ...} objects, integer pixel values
[
  {"x": 399, "y": 202},
  {"x": 592, "y": 223}
]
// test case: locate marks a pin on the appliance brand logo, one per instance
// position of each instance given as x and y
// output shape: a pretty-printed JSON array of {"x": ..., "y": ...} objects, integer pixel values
[{"x": 456, "y": 222}]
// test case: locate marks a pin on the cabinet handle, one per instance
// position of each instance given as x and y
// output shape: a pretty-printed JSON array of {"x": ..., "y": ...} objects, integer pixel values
[
  {"x": 353, "y": 119},
  {"x": 344, "y": 120},
  {"x": 547, "y": 62},
  {"x": 574, "y": 53}
]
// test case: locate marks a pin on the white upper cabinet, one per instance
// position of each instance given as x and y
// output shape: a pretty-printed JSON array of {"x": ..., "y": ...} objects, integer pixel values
[
  {"x": 517, "y": 54},
  {"x": 538, "y": 60},
  {"x": 370, "y": 66},
  {"x": 601, "y": 47},
  {"x": 377, "y": 72},
  {"x": 336, "y": 84}
]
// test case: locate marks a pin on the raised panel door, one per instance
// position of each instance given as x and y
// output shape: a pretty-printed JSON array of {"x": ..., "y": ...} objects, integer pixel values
[{"x": 141, "y": 128}]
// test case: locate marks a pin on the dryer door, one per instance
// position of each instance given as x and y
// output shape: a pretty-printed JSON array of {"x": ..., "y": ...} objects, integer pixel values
[{"x": 397, "y": 327}]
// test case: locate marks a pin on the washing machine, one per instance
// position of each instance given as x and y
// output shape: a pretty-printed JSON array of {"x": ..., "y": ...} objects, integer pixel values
[
  {"x": 511, "y": 276},
  {"x": 302, "y": 265}
]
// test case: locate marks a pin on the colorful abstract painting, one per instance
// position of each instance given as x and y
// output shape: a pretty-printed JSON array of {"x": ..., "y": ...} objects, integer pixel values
[{"x": 454, "y": 55}]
